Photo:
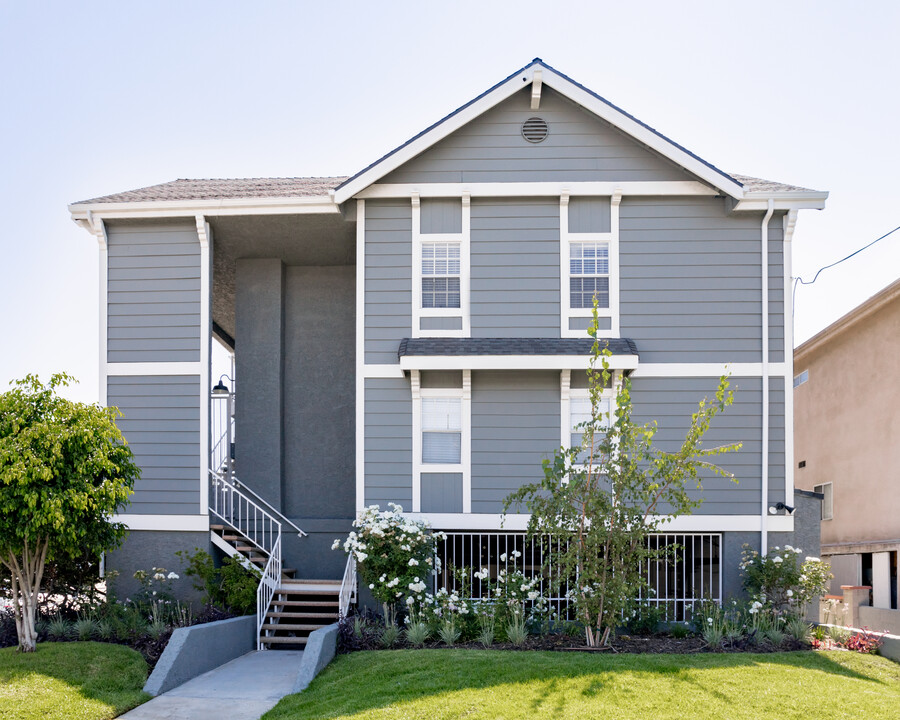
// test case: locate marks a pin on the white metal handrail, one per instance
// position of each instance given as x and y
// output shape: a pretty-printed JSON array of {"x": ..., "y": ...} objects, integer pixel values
[
  {"x": 283, "y": 518},
  {"x": 240, "y": 512},
  {"x": 268, "y": 584},
  {"x": 348, "y": 587}
]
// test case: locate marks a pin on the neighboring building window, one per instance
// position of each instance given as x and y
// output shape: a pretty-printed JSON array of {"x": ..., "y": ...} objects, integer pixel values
[
  {"x": 801, "y": 378},
  {"x": 588, "y": 274},
  {"x": 441, "y": 430},
  {"x": 828, "y": 502},
  {"x": 440, "y": 275}
]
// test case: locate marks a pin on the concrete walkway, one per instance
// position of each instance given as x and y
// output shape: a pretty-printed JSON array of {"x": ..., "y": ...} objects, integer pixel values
[{"x": 243, "y": 689}]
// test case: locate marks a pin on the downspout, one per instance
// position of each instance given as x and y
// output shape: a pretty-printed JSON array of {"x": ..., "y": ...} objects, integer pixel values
[{"x": 764, "y": 505}]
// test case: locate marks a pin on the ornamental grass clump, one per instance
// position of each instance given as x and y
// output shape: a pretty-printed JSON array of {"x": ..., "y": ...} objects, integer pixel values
[{"x": 395, "y": 555}]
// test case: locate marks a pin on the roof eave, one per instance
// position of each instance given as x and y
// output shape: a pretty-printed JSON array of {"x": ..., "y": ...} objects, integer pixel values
[
  {"x": 318, "y": 204},
  {"x": 782, "y": 200},
  {"x": 565, "y": 86}
]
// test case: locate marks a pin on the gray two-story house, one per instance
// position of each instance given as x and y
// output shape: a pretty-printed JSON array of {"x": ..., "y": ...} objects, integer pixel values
[{"x": 417, "y": 334}]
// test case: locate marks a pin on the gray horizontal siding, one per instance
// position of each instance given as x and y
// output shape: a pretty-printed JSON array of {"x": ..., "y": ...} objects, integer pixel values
[
  {"x": 671, "y": 401},
  {"x": 161, "y": 423},
  {"x": 442, "y": 492},
  {"x": 690, "y": 287},
  {"x": 515, "y": 268},
  {"x": 388, "y": 442},
  {"x": 440, "y": 215},
  {"x": 388, "y": 294},
  {"x": 589, "y": 215},
  {"x": 776, "y": 289},
  {"x": 154, "y": 293},
  {"x": 580, "y": 147},
  {"x": 515, "y": 425}
]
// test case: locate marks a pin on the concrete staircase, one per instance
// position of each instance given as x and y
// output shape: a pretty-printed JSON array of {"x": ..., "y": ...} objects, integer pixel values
[{"x": 298, "y": 606}]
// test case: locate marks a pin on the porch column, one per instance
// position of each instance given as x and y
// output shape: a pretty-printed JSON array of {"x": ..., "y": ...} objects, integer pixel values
[{"x": 259, "y": 347}]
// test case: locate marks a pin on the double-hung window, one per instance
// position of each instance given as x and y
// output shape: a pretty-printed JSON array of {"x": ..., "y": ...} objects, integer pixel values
[
  {"x": 589, "y": 265},
  {"x": 441, "y": 441},
  {"x": 576, "y": 409},
  {"x": 440, "y": 267}
]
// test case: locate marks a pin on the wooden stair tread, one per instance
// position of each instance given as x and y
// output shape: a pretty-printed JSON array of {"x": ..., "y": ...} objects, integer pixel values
[
  {"x": 270, "y": 640},
  {"x": 291, "y": 626},
  {"x": 303, "y": 591},
  {"x": 296, "y": 615},
  {"x": 305, "y": 603}
]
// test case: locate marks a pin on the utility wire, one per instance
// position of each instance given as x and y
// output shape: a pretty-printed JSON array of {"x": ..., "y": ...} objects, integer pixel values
[{"x": 800, "y": 281}]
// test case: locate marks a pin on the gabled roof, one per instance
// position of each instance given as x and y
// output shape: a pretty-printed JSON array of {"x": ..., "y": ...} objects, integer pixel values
[{"x": 567, "y": 87}]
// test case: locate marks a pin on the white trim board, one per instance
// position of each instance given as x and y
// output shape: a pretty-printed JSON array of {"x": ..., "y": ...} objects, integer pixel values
[
  {"x": 204, "y": 237},
  {"x": 568, "y": 89},
  {"x": 176, "y": 523},
  {"x": 155, "y": 368},
  {"x": 210, "y": 208},
  {"x": 360, "y": 421},
  {"x": 511, "y": 362},
  {"x": 705, "y": 369},
  {"x": 517, "y": 522},
  {"x": 642, "y": 370},
  {"x": 646, "y": 188}
]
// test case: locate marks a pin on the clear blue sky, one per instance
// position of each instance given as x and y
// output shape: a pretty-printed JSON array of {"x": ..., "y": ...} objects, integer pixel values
[{"x": 103, "y": 97}]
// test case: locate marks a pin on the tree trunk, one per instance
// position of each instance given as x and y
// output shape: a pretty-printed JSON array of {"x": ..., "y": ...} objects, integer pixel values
[{"x": 27, "y": 572}]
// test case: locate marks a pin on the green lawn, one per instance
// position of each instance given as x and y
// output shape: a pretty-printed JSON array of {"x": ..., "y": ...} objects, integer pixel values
[
  {"x": 78, "y": 680},
  {"x": 494, "y": 684}
]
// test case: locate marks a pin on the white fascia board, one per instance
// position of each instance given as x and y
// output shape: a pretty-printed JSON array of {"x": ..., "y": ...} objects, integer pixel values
[
  {"x": 518, "y": 522},
  {"x": 573, "y": 92},
  {"x": 706, "y": 369},
  {"x": 177, "y": 523},
  {"x": 538, "y": 189},
  {"x": 436, "y": 134},
  {"x": 759, "y": 202},
  {"x": 511, "y": 362},
  {"x": 212, "y": 208}
]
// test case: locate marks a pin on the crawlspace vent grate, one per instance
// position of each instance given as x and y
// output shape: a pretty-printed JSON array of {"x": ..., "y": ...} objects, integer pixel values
[{"x": 535, "y": 130}]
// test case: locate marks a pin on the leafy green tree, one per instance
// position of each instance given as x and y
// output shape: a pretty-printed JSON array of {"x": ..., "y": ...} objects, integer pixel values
[
  {"x": 599, "y": 501},
  {"x": 64, "y": 471}
]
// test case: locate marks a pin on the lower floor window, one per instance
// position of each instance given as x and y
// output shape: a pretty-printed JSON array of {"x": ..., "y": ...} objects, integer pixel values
[{"x": 441, "y": 430}]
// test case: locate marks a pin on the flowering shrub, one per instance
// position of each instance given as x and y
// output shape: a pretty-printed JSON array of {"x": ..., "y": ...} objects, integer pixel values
[
  {"x": 779, "y": 582},
  {"x": 864, "y": 642},
  {"x": 396, "y": 555}
]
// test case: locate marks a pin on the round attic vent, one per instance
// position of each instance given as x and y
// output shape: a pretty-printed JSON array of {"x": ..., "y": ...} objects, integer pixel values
[{"x": 535, "y": 130}]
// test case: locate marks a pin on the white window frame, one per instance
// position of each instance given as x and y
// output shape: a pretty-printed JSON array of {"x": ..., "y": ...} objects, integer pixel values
[
  {"x": 464, "y": 466},
  {"x": 612, "y": 240},
  {"x": 567, "y": 393},
  {"x": 829, "y": 498},
  {"x": 418, "y": 240}
]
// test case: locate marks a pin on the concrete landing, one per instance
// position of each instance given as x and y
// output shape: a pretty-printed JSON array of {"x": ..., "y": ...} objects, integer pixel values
[{"x": 243, "y": 689}]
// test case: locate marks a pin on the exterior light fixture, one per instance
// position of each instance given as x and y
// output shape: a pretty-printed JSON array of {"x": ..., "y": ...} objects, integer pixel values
[
  {"x": 221, "y": 388},
  {"x": 773, "y": 509}
]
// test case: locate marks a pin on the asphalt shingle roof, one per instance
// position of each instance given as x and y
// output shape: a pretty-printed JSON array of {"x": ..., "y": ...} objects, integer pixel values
[
  {"x": 510, "y": 346},
  {"x": 225, "y": 189},
  {"x": 759, "y": 185}
]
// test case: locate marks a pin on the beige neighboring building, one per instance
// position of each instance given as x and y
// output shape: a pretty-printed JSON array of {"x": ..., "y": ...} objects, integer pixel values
[{"x": 847, "y": 441}]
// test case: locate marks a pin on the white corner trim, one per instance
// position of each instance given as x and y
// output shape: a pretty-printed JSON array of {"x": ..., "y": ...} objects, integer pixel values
[
  {"x": 511, "y": 362},
  {"x": 645, "y": 188},
  {"x": 567, "y": 88},
  {"x": 790, "y": 223},
  {"x": 536, "y": 83},
  {"x": 466, "y": 441},
  {"x": 98, "y": 228},
  {"x": 565, "y": 406},
  {"x": 415, "y": 387},
  {"x": 764, "y": 272},
  {"x": 178, "y": 523},
  {"x": 360, "y": 355},
  {"x": 154, "y": 368},
  {"x": 204, "y": 237},
  {"x": 518, "y": 522}
]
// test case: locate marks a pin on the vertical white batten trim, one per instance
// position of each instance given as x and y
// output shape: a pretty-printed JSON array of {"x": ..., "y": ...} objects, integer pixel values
[
  {"x": 614, "y": 270},
  {"x": 465, "y": 265},
  {"x": 466, "y": 441},
  {"x": 790, "y": 223},
  {"x": 204, "y": 235},
  {"x": 360, "y": 355},
  {"x": 564, "y": 264},
  {"x": 565, "y": 407},
  {"x": 416, "y": 479},
  {"x": 98, "y": 227},
  {"x": 764, "y": 237},
  {"x": 416, "y": 297}
]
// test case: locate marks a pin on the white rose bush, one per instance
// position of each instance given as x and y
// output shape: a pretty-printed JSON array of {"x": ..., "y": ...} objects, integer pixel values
[
  {"x": 395, "y": 556},
  {"x": 780, "y": 583}
]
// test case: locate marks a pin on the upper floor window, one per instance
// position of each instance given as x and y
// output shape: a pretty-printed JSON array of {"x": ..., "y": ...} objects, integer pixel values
[
  {"x": 801, "y": 378},
  {"x": 828, "y": 501},
  {"x": 440, "y": 264},
  {"x": 588, "y": 274},
  {"x": 589, "y": 264},
  {"x": 440, "y": 275},
  {"x": 441, "y": 430}
]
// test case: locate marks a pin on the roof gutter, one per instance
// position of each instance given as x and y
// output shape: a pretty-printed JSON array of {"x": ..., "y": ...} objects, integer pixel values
[{"x": 755, "y": 201}]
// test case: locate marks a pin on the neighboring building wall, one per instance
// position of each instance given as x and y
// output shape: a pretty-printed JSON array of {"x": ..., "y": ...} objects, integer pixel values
[{"x": 846, "y": 427}]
